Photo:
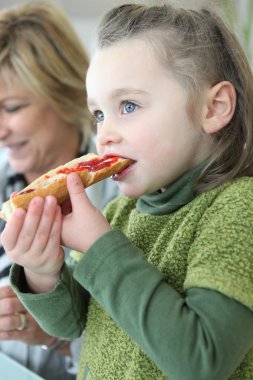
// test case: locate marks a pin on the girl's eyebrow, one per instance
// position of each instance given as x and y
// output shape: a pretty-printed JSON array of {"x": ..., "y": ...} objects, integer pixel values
[
  {"x": 127, "y": 90},
  {"x": 119, "y": 92}
]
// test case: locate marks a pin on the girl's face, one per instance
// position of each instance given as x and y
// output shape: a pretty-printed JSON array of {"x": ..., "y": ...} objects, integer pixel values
[
  {"x": 35, "y": 137},
  {"x": 140, "y": 110}
]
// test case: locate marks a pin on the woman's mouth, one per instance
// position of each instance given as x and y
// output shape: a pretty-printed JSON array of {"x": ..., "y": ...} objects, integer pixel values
[{"x": 16, "y": 148}]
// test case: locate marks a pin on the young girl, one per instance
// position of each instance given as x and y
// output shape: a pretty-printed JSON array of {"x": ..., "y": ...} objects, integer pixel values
[{"x": 164, "y": 282}]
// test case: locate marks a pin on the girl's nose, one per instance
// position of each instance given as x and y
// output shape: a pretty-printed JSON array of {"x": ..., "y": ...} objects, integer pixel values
[{"x": 108, "y": 133}]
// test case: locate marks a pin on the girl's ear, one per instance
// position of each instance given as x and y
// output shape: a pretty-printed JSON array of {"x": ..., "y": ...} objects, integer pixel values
[{"x": 220, "y": 107}]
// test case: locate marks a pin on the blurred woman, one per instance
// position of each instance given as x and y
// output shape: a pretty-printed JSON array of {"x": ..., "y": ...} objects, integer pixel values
[{"x": 44, "y": 122}]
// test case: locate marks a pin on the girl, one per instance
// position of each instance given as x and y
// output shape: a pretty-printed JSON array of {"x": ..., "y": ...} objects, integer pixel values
[{"x": 164, "y": 282}]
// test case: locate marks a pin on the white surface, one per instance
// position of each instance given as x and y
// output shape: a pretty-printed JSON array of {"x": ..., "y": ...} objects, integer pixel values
[
  {"x": 11, "y": 370},
  {"x": 85, "y": 15},
  {"x": 82, "y": 8},
  {"x": 2, "y": 153}
]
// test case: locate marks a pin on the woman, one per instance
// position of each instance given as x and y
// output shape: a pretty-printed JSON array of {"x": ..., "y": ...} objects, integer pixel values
[{"x": 44, "y": 122}]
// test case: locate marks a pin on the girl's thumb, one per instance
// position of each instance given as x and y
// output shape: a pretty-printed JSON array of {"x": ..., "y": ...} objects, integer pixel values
[{"x": 76, "y": 190}]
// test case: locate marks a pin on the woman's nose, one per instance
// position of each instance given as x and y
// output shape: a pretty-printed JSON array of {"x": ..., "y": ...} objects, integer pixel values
[{"x": 4, "y": 131}]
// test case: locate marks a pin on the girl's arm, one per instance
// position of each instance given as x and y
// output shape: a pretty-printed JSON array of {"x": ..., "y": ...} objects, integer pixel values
[{"x": 201, "y": 335}]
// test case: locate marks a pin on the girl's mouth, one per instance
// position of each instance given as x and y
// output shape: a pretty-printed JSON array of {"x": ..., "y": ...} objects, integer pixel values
[{"x": 123, "y": 173}]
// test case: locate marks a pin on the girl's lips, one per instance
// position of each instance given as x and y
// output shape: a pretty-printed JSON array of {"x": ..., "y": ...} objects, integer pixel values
[{"x": 123, "y": 173}]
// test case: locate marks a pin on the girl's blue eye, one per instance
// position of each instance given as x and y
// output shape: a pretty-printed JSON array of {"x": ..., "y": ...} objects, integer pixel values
[
  {"x": 99, "y": 116},
  {"x": 129, "y": 107}
]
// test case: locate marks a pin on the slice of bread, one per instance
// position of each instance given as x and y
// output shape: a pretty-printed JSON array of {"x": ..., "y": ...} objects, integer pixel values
[{"x": 90, "y": 168}]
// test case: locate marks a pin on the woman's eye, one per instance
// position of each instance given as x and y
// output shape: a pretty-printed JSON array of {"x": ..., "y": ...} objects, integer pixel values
[
  {"x": 99, "y": 116},
  {"x": 129, "y": 107},
  {"x": 11, "y": 109}
]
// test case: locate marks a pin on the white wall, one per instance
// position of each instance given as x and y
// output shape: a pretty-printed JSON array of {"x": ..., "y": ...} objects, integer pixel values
[
  {"x": 86, "y": 29},
  {"x": 244, "y": 25},
  {"x": 240, "y": 14}
]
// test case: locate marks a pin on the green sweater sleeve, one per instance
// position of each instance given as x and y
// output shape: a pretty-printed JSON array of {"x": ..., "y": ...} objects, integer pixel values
[
  {"x": 200, "y": 335},
  {"x": 61, "y": 312}
]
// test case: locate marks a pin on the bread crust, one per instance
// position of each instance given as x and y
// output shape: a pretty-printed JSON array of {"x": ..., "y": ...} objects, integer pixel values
[{"x": 90, "y": 168}]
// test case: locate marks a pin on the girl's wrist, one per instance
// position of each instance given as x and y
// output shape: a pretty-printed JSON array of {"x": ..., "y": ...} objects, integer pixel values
[{"x": 40, "y": 283}]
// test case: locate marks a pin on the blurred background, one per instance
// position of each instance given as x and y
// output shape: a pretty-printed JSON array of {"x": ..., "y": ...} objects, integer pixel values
[{"x": 86, "y": 14}]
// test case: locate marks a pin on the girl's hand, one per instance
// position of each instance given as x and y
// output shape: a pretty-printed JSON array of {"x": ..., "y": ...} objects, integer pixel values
[
  {"x": 32, "y": 240},
  {"x": 84, "y": 224}
]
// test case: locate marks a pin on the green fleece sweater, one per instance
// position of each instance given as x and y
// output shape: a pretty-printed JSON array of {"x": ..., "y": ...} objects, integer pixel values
[{"x": 172, "y": 300}]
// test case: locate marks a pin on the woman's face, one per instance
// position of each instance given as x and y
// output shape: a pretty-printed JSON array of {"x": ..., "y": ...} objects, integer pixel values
[{"x": 35, "y": 137}]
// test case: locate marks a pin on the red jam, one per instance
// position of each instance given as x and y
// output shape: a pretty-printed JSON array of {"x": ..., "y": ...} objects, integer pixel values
[
  {"x": 23, "y": 192},
  {"x": 91, "y": 165}
]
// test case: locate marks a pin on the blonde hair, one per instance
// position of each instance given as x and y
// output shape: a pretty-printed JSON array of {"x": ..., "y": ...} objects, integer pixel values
[
  {"x": 201, "y": 50},
  {"x": 39, "y": 45}
]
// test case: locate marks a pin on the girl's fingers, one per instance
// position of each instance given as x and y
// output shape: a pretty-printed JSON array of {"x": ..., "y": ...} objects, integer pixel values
[
  {"x": 76, "y": 191},
  {"x": 45, "y": 224},
  {"x": 55, "y": 236},
  {"x": 30, "y": 225},
  {"x": 12, "y": 229},
  {"x": 31, "y": 228},
  {"x": 13, "y": 194},
  {"x": 32, "y": 239},
  {"x": 56, "y": 228},
  {"x": 49, "y": 229},
  {"x": 66, "y": 207}
]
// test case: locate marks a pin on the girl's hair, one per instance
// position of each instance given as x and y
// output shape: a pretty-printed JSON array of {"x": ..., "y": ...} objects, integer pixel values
[
  {"x": 200, "y": 49},
  {"x": 40, "y": 47}
]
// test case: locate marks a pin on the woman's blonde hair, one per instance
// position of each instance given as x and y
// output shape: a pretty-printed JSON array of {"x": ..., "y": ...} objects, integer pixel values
[
  {"x": 39, "y": 45},
  {"x": 200, "y": 49}
]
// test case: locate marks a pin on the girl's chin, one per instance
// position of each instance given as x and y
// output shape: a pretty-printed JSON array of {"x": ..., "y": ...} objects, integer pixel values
[{"x": 129, "y": 191}]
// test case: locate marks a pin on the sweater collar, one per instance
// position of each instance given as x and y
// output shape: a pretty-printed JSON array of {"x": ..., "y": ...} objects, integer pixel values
[{"x": 176, "y": 195}]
